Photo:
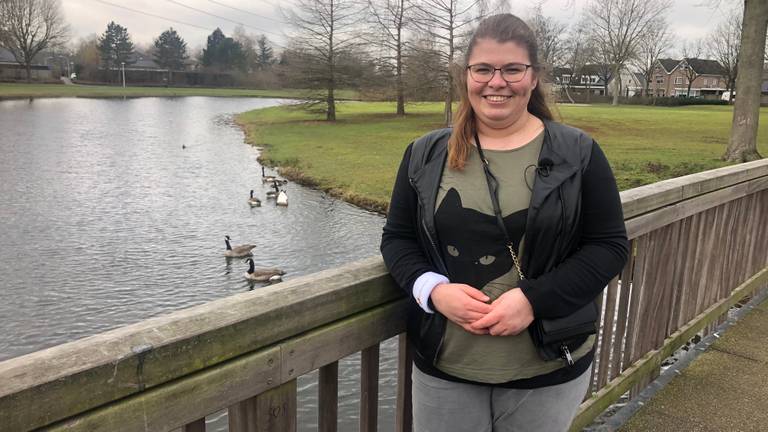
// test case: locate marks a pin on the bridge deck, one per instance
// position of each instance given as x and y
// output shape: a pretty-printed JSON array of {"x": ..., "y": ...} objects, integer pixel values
[{"x": 724, "y": 389}]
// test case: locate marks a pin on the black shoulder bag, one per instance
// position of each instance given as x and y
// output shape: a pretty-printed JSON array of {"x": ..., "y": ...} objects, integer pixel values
[{"x": 553, "y": 338}]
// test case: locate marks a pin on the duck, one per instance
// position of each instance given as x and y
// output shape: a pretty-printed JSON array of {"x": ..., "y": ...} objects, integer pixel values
[
  {"x": 282, "y": 199},
  {"x": 253, "y": 201},
  {"x": 263, "y": 274},
  {"x": 271, "y": 179},
  {"x": 237, "y": 251}
]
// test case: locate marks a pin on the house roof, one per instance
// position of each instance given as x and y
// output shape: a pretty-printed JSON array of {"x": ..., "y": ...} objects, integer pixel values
[
  {"x": 705, "y": 67},
  {"x": 669, "y": 64},
  {"x": 6, "y": 56}
]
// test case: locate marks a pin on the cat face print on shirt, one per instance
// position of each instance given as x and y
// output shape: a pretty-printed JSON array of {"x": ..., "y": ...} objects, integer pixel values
[{"x": 472, "y": 243}]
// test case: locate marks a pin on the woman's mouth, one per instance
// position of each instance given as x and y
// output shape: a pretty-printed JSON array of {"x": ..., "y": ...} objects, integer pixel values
[{"x": 496, "y": 98}]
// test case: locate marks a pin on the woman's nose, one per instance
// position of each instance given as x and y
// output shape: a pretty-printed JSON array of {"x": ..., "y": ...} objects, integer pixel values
[{"x": 497, "y": 80}]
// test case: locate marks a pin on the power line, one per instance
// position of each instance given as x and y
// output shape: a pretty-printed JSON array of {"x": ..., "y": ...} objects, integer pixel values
[
  {"x": 245, "y": 11},
  {"x": 152, "y": 15},
  {"x": 219, "y": 17}
]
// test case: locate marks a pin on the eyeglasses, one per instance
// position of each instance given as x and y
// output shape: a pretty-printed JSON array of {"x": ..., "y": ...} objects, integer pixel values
[{"x": 511, "y": 72}]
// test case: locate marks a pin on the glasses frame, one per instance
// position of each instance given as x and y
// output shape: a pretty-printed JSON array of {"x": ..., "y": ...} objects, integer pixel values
[{"x": 500, "y": 70}]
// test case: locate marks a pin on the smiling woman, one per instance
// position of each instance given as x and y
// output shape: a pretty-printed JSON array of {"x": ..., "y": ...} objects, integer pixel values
[{"x": 503, "y": 220}]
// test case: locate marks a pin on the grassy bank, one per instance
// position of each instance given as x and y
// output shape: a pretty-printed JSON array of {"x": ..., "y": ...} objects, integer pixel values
[
  {"x": 357, "y": 157},
  {"x": 13, "y": 91}
]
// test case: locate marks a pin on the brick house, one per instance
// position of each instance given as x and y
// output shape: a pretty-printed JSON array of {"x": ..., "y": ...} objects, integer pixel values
[{"x": 670, "y": 78}]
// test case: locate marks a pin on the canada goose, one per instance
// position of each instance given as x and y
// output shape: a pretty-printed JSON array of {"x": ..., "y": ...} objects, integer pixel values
[
  {"x": 237, "y": 251},
  {"x": 183, "y": 146},
  {"x": 253, "y": 201},
  {"x": 271, "y": 179},
  {"x": 272, "y": 194},
  {"x": 263, "y": 274},
  {"x": 282, "y": 198}
]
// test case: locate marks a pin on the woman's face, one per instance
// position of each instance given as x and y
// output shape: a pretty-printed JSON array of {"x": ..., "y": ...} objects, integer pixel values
[{"x": 497, "y": 103}]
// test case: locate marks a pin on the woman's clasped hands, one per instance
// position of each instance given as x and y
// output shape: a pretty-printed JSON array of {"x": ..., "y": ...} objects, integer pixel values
[{"x": 468, "y": 307}]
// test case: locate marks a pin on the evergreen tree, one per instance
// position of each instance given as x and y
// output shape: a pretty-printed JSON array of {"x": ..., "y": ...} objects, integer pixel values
[
  {"x": 264, "y": 54},
  {"x": 115, "y": 46},
  {"x": 170, "y": 50},
  {"x": 223, "y": 53}
]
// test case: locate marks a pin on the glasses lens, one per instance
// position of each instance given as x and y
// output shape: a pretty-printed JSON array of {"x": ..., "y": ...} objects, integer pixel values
[
  {"x": 513, "y": 72},
  {"x": 481, "y": 72}
]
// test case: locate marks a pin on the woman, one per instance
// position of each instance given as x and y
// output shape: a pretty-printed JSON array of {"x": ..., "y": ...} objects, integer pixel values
[{"x": 506, "y": 217}]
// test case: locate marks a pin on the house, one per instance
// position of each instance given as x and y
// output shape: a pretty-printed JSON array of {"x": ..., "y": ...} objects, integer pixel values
[
  {"x": 587, "y": 79},
  {"x": 11, "y": 70},
  {"x": 671, "y": 78},
  {"x": 631, "y": 84}
]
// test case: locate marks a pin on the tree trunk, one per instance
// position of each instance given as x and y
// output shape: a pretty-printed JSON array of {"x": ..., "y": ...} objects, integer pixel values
[
  {"x": 28, "y": 68},
  {"x": 448, "y": 110},
  {"x": 742, "y": 146},
  {"x": 400, "y": 91},
  {"x": 617, "y": 88}
]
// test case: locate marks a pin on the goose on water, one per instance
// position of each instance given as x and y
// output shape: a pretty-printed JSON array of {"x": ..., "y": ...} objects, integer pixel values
[
  {"x": 270, "y": 178},
  {"x": 282, "y": 199},
  {"x": 263, "y": 274},
  {"x": 237, "y": 251},
  {"x": 272, "y": 194},
  {"x": 253, "y": 201}
]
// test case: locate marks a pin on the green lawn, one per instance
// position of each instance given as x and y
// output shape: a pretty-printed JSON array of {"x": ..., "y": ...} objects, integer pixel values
[
  {"x": 357, "y": 157},
  {"x": 60, "y": 90}
]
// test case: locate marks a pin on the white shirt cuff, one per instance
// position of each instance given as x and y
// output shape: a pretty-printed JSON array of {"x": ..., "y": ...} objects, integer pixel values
[{"x": 423, "y": 287}]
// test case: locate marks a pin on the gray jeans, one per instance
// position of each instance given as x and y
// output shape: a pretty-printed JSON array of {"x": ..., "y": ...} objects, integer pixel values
[{"x": 446, "y": 406}]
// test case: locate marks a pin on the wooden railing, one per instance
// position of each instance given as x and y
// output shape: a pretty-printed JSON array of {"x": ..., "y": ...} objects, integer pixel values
[{"x": 699, "y": 245}]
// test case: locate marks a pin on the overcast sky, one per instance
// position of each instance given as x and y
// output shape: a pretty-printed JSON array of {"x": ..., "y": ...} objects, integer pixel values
[{"x": 688, "y": 18}]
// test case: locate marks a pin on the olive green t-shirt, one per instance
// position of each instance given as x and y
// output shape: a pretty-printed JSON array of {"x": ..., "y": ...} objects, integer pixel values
[{"x": 475, "y": 252}]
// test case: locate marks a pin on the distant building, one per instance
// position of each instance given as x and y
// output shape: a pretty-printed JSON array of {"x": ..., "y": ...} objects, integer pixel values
[
  {"x": 11, "y": 70},
  {"x": 670, "y": 78}
]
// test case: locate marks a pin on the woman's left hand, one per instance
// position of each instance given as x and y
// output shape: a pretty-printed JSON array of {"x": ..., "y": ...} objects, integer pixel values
[{"x": 511, "y": 313}]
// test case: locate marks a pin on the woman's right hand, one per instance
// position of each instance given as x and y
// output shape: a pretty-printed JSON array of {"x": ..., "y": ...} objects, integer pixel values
[{"x": 461, "y": 304}]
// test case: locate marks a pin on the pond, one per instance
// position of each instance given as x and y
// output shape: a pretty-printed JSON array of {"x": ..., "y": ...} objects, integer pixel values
[{"x": 115, "y": 210}]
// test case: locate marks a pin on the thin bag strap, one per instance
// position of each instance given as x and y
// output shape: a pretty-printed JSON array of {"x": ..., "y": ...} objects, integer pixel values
[{"x": 493, "y": 189}]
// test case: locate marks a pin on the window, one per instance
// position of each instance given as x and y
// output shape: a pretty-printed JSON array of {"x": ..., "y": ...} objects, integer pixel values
[
  {"x": 679, "y": 80},
  {"x": 659, "y": 79},
  {"x": 566, "y": 78},
  {"x": 594, "y": 80}
]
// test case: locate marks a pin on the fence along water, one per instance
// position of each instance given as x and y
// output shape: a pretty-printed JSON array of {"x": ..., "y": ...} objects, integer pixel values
[{"x": 699, "y": 245}]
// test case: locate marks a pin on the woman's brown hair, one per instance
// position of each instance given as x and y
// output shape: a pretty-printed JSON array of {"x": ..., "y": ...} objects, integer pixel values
[{"x": 501, "y": 28}]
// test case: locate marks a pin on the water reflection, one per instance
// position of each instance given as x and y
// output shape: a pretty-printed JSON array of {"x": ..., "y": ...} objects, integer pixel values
[{"x": 113, "y": 211}]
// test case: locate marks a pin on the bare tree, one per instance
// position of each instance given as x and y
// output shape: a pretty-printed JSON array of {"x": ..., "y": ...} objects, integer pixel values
[
  {"x": 618, "y": 25},
  {"x": 723, "y": 44},
  {"x": 579, "y": 49},
  {"x": 650, "y": 47},
  {"x": 448, "y": 23},
  {"x": 28, "y": 27},
  {"x": 692, "y": 50},
  {"x": 391, "y": 18},
  {"x": 325, "y": 33},
  {"x": 549, "y": 36},
  {"x": 742, "y": 146}
]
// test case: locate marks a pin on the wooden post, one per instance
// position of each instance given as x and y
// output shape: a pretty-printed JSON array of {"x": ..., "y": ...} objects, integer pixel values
[
  {"x": 369, "y": 388},
  {"x": 328, "y": 397},
  {"x": 271, "y": 411},
  {"x": 196, "y": 426},
  {"x": 404, "y": 413}
]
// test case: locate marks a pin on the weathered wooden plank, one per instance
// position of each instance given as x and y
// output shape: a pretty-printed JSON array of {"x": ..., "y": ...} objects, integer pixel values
[
  {"x": 224, "y": 385},
  {"x": 404, "y": 414},
  {"x": 195, "y": 426},
  {"x": 182, "y": 401},
  {"x": 328, "y": 398},
  {"x": 332, "y": 342},
  {"x": 607, "y": 333},
  {"x": 276, "y": 409},
  {"x": 369, "y": 388},
  {"x": 130, "y": 359},
  {"x": 622, "y": 313},
  {"x": 666, "y": 215},
  {"x": 651, "y": 361},
  {"x": 643, "y": 199}
]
